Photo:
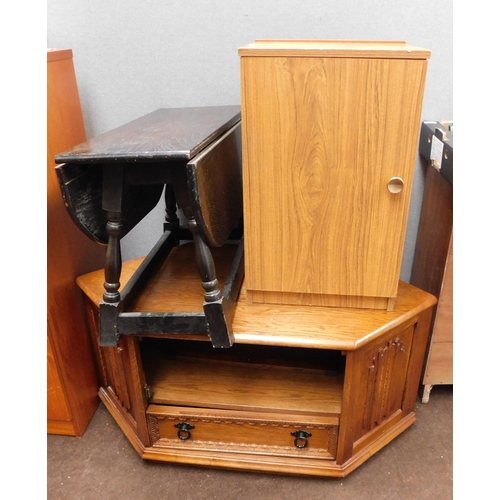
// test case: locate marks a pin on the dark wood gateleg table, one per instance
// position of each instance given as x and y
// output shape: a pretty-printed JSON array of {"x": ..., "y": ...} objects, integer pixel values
[{"x": 111, "y": 182}]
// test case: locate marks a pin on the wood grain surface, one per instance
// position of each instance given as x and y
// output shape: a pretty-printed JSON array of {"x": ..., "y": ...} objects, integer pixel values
[
  {"x": 382, "y": 49},
  {"x": 442, "y": 330},
  {"x": 439, "y": 364},
  {"x": 72, "y": 382},
  {"x": 434, "y": 233},
  {"x": 241, "y": 431},
  {"x": 233, "y": 386},
  {"x": 322, "y": 137},
  {"x": 433, "y": 271},
  {"x": 215, "y": 187},
  {"x": 354, "y": 402},
  {"x": 176, "y": 288},
  {"x": 168, "y": 133}
]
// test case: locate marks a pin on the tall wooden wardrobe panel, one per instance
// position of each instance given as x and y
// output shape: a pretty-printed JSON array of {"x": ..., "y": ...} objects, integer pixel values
[{"x": 72, "y": 381}]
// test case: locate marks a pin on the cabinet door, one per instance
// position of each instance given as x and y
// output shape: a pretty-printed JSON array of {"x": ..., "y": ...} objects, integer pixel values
[
  {"x": 122, "y": 377},
  {"x": 374, "y": 392},
  {"x": 322, "y": 137}
]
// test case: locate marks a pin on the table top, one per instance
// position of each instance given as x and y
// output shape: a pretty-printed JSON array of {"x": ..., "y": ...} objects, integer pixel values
[{"x": 165, "y": 134}]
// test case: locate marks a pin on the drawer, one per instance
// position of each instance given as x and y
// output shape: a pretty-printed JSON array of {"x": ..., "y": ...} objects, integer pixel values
[{"x": 243, "y": 431}]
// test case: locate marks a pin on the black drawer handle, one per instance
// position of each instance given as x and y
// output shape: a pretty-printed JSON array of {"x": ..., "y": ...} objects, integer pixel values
[
  {"x": 300, "y": 440},
  {"x": 184, "y": 431}
]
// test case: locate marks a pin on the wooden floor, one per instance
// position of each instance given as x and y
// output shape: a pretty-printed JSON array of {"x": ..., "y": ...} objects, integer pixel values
[{"x": 102, "y": 465}]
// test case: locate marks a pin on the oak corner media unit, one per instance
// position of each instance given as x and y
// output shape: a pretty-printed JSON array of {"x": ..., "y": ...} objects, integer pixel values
[{"x": 304, "y": 390}]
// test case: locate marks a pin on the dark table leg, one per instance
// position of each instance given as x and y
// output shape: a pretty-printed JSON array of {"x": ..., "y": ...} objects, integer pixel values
[
  {"x": 110, "y": 305},
  {"x": 171, "y": 219},
  {"x": 219, "y": 328}
]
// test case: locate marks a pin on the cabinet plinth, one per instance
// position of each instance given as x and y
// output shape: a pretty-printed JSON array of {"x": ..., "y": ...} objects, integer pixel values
[
  {"x": 330, "y": 133},
  {"x": 291, "y": 396}
]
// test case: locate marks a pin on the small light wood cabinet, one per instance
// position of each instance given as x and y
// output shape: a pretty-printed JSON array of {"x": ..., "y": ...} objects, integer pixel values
[
  {"x": 72, "y": 381},
  {"x": 330, "y": 132},
  {"x": 303, "y": 390}
]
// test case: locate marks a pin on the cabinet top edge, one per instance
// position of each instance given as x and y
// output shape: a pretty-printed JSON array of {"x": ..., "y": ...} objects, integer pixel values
[
  {"x": 335, "y": 48},
  {"x": 58, "y": 54}
]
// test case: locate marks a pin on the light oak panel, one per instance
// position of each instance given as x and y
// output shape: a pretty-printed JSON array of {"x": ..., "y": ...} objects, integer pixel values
[
  {"x": 442, "y": 330},
  {"x": 439, "y": 367},
  {"x": 321, "y": 139},
  {"x": 386, "y": 49},
  {"x": 376, "y": 380},
  {"x": 316, "y": 299},
  {"x": 175, "y": 287},
  {"x": 233, "y": 386},
  {"x": 121, "y": 377}
]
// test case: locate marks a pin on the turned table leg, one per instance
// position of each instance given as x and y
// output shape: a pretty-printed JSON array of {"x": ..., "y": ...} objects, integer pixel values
[
  {"x": 113, "y": 265},
  {"x": 111, "y": 301},
  {"x": 171, "y": 219},
  {"x": 219, "y": 331}
]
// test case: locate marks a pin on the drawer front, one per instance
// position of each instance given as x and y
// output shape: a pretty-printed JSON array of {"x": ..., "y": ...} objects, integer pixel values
[{"x": 242, "y": 431}]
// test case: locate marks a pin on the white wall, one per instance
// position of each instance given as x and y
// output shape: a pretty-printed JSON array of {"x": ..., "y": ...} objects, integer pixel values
[{"x": 132, "y": 57}]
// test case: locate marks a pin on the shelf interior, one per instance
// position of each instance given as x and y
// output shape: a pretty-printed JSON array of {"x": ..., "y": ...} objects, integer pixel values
[{"x": 250, "y": 378}]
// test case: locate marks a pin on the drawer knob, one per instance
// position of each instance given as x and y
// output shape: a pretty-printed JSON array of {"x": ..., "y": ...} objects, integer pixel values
[
  {"x": 395, "y": 185},
  {"x": 184, "y": 431},
  {"x": 300, "y": 440}
]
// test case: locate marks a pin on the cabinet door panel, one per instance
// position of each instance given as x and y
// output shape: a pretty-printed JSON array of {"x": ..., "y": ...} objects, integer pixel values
[
  {"x": 322, "y": 138},
  {"x": 374, "y": 393}
]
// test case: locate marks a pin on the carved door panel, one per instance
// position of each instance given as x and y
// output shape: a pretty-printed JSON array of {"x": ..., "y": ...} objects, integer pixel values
[
  {"x": 116, "y": 374},
  {"x": 122, "y": 376},
  {"x": 385, "y": 381},
  {"x": 375, "y": 389},
  {"x": 110, "y": 360}
]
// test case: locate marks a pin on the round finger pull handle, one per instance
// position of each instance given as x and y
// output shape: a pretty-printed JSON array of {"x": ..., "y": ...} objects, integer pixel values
[
  {"x": 184, "y": 431},
  {"x": 395, "y": 185},
  {"x": 300, "y": 440}
]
